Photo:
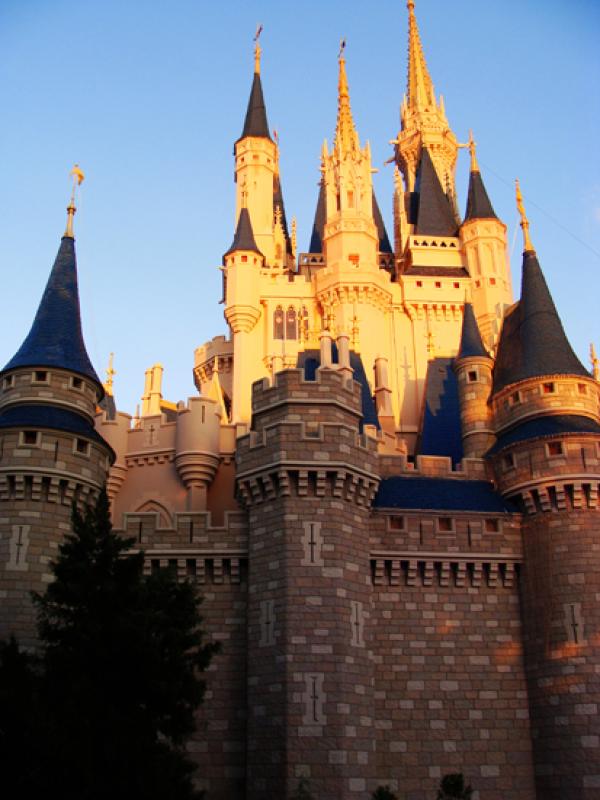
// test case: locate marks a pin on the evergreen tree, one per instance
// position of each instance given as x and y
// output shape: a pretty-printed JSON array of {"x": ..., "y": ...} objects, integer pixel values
[
  {"x": 452, "y": 787},
  {"x": 119, "y": 671}
]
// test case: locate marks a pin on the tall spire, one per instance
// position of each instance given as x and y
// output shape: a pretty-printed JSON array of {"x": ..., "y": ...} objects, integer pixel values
[
  {"x": 478, "y": 202},
  {"x": 470, "y": 337},
  {"x": 244, "y": 235},
  {"x": 346, "y": 137},
  {"x": 55, "y": 338},
  {"x": 255, "y": 123},
  {"x": 420, "y": 87}
]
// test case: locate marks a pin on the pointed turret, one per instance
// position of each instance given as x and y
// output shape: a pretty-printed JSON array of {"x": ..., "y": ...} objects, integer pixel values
[
  {"x": 533, "y": 341},
  {"x": 316, "y": 238},
  {"x": 434, "y": 213},
  {"x": 478, "y": 202},
  {"x": 55, "y": 338},
  {"x": 255, "y": 123},
  {"x": 423, "y": 118},
  {"x": 244, "y": 236},
  {"x": 471, "y": 344}
]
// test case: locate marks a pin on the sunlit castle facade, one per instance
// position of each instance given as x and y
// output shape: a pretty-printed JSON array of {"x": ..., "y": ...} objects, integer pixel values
[{"x": 386, "y": 487}]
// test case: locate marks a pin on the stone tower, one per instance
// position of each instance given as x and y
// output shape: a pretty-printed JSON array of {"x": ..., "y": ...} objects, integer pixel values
[
  {"x": 50, "y": 453},
  {"x": 545, "y": 409},
  {"x": 307, "y": 477}
]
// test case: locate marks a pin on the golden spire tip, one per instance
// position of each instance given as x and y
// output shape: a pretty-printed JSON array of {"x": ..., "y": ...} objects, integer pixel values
[
  {"x": 524, "y": 221},
  {"x": 257, "y": 50},
  {"x": 78, "y": 177},
  {"x": 473, "y": 151}
]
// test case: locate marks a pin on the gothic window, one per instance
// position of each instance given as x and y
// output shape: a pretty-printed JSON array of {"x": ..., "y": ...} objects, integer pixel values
[
  {"x": 278, "y": 323},
  {"x": 304, "y": 321},
  {"x": 291, "y": 330}
]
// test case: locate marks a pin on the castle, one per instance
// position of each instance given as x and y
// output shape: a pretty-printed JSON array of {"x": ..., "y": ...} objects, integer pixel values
[{"x": 386, "y": 488}]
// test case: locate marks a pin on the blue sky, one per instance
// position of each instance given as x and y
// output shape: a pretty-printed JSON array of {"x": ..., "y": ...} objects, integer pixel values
[{"x": 148, "y": 97}]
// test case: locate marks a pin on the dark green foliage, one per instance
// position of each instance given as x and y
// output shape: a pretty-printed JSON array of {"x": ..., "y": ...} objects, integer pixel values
[
  {"x": 453, "y": 786},
  {"x": 302, "y": 790},
  {"x": 383, "y": 793},
  {"x": 118, "y": 681}
]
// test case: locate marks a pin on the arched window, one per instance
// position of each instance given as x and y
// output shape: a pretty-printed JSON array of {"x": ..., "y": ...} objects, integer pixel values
[
  {"x": 278, "y": 323},
  {"x": 304, "y": 322},
  {"x": 291, "y": 330}
]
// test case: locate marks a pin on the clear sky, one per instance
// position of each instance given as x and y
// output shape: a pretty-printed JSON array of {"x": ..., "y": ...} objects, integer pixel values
[{"x": 149, "y": 96}]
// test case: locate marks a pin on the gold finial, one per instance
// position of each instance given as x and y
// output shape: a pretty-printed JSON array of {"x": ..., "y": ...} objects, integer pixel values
[
  {"x": 110, "y": 373},
  {"x": 472, "y": 150},
  {"x": 257, "y": 50},
  {"x": 595, "y": 362},
  {"x": 524, "y": 221},
  {"x": 78, "y": 177}
]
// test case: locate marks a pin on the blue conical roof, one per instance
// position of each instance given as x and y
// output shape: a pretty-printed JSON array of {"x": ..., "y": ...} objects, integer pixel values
[
  {"x": 470, "y": 338},
  {"x": 55, "y": 338},
  {"x": 244, "y": 235},
  {"x": 255, "y": 123}
]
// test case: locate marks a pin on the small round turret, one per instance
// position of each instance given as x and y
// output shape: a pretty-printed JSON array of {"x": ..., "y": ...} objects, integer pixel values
[{"x": 197, "y": 448}]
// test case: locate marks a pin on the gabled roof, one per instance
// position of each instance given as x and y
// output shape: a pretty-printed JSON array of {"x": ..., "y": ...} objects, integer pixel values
[
  {"x": 384, "y": 242},
  {"x": 440, "y": 494},
  {"x": 255, "y": 123},
  {"x": 434, "y": 214},
  {"x": 316, "y": 238},
  {"x": 533, "y": 342},
  {"x": 244, "y": 235},
  {"x": 470, "y": 337},
  {"x": 478, "y": 202},
  {"x": 55, "y": 338}
]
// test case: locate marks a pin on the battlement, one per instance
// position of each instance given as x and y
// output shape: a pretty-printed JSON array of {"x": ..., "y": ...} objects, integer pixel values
[
  {"x": 330, "y": 387},
  {"x": 432, "y": 467}
]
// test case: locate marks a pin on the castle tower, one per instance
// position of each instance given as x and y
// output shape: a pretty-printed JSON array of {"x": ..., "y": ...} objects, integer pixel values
[
  {"x": 546, "y": 415},
  {"x": 350, "y": 234},
  {"x": 310, "y": 701},
  {"x": 423, "y": 119},
  {"x": 242, "y": 265},
  {"x": 50, "y": 454},
  {"x": 258, "y": 183},
  {"x": 473, "y": 368},
  {"x": 483, "y": 237}
]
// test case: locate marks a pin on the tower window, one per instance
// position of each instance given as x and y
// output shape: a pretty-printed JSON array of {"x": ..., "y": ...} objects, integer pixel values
[
  {"x": 81, "y": 447},
  {"x": 350, "y": 199},
  {"x": 456, "y": 285},
  {"x": 29, "y": 439},
  {"x": 438, "y": 284},
  {"x": 445, "y": 525},
  {"x": 515, "y": 398},
  {"x": 509, "y": 461},
  {"x": 40, "y": 376},
  {"x": 548, "y": 388},
  {"x": 472, "y": 376},
  {"x": 491, "y": 525},
  {"x": 419, "y": 284},
  {"x": 8, "y": 382},
  {"x": 354, "y": 258},
  {"x": 278, "y": 323},
  {"x": 77, "y": 384},
  {"x": 555, "y": 448},
  {"x": 492, "y": 281},
  {"x": 244, "y": 259},
  {"x": 582, "y": 388}
]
